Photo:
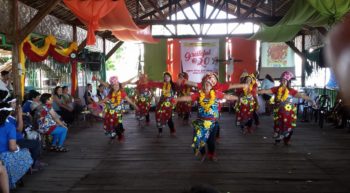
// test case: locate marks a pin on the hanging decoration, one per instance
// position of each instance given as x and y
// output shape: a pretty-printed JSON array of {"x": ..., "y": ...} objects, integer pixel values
[
  {"x": 61, "y": 55},
  {"x": 109, "y": 15}
]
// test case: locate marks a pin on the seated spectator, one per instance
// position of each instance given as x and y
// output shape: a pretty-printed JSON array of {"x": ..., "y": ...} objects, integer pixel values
[
  {"x": 16, "y": 119},
  {"x": 91, "y": 102},
  {"x": 70, "y": 101},
  {"x": 4, "y": 181},
  {"x": 101, "y": 92},
  {"x": 17, "y": 161},
  {"x": 32, "y": 102},
  {"x": 50, "y": 124},
  {"x": 61, "y": 108}
]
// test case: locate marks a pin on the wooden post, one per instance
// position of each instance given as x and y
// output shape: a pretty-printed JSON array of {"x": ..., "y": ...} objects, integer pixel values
[
  {"x": 75, "y": 36},
  {"x": 15, "y": 53},
  {"x": 303, "y": 61}
]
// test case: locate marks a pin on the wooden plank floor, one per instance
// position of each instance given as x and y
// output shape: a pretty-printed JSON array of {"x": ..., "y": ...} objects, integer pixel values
[{"x": 317, "y": 161}]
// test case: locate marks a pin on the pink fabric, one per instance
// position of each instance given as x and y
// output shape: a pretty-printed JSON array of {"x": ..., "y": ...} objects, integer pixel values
[
  {"x": 113, "y": 80},
  {"x": 90, "y": 12},
  {"x": 287, "y": 75},
  {"x": 143, "y": 35},
  {"x": 109, "y": 15}
]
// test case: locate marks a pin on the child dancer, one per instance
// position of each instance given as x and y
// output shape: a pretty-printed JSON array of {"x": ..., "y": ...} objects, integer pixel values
[
  {"x": 183, "y": 108},
  {"x": 205, "y": 125},
  {"x": 214, "y": 80},
  {"x": 284, "y": 111},
  {"x": 247, "y": 105},
  {"x": 164, "y": 107},
  {"x": 143, "y": 98},
  {"x": 113, "y": 116}
]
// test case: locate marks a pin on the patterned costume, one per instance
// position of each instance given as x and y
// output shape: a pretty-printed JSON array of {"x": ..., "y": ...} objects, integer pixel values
[
  {"x": 113, "y": 117},
  {"x": 164, "y": 108},
  {"x": 246, "y": 106},
  {"x": 205, "y": 127},
  {"x": 183, "y": 108},
  {"x": 143, "y": 100},
  {"x": 284, "y": 113}
]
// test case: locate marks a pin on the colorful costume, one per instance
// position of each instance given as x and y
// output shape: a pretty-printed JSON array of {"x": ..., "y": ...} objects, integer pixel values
[
  {"x": 184, "y": 108},
  {"x": 164, "y": 108},
  {"x": 284, "y": 114},
  {"x": 143, "y": 100},
  {"x": 246, "y": 106},
  {"x": 205, "y": 127},
  {"x": 113, "y": 117}
]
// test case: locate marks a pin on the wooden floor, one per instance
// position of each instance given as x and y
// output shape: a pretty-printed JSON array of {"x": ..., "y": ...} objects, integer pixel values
[{"x": 317, "y": 161}]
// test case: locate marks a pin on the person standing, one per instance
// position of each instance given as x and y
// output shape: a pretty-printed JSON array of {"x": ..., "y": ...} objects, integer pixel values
[
  {"x": 284, "y": 111},
  {"x": 204, "y": 127},
  {"x": 113, "y": 110}
]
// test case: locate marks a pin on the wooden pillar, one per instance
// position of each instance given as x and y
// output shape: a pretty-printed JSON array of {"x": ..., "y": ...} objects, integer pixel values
[
  {"x": 15, "y": 52},
  {"x": 75, "y": 34},
  {"x": 303, "y": 61}
]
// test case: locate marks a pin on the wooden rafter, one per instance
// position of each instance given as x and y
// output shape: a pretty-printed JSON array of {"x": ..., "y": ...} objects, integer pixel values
[
  {"x": 182, "y": 10},
  {"x": 270, "y": 20},
  {"x": 114, "y": 49},
  {"x": 243, "y": 6},
  {"x": 45, "y": 10},
  {"x": 156, "y": 8},
  {"x": 82, "y": 46},
  {"x": 194, "y": 11},
  {"x": 252, "y": 8},
  {"x": 215, "y": 7},
  {"x": 216, "y": 16},
  {"x": 281, "y": 6},
  {"x": 238, "y": 5}
]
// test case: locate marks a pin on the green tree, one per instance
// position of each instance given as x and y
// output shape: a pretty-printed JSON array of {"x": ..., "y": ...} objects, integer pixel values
[
  {"x": 110, "y": 65},
  {"x": 3, "y": 60}
]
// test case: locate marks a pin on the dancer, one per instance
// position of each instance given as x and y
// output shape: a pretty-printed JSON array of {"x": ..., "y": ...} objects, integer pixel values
[
  {"x": 183, "y": 108},
  {"x": 113, "y": 116},
  {"x": 164, "y": 108},
  {"x": 143, "y": 98},
  {"x": 205, "y": 125},
  {"x": 214, "y": 80},
  {"x": 284, "y": 113},
  {"x": 247, "y": 105}
]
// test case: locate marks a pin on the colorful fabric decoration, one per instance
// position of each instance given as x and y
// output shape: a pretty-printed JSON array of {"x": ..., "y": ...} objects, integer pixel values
[
  {"x": 109, "y": 15},
  {"x": 36, "y": 54}
]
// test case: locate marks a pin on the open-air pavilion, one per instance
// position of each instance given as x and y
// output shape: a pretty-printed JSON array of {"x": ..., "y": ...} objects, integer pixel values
[{"x": 45, "y": 44}]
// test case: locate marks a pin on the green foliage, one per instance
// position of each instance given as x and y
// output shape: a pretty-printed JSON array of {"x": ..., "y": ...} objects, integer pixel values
[
  {"x": 3, "y": 60},
  {"x": 119, "y": 53},
  {"x": 110, "y": 65}
]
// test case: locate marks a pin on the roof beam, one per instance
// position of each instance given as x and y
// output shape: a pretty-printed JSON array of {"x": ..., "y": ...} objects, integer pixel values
[
  {"x": 195, "y": 13},
  {"x": 182, "y": 10},
  {"x": 215, "y": 7},
  {"x": 269, "y": 20},
  {"x": 114, "y": 49},
  {"x": 156, "y": 8},
  {"x": 82, "y": 45},
  {"x": 252, "y": 8},
  {"x": 204, "y": 36},
  {"x": 160, "y": 8},
  {"x": 281, "y": 6},
  {"x": 44, "y": 11},
  {"x": 241, "y": 5}
]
